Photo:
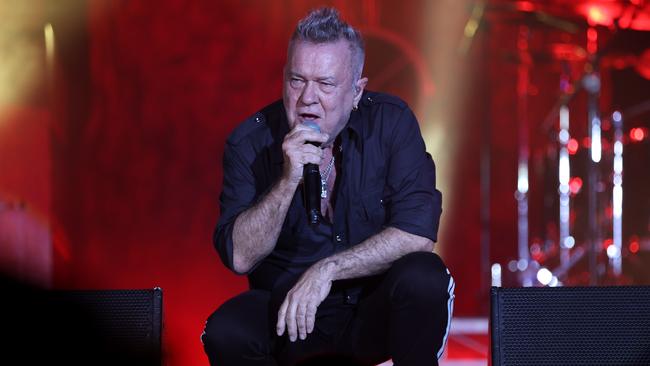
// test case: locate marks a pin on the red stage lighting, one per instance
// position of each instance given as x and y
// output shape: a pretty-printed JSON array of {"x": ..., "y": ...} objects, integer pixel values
[
  {"x": 572, "y": 146},
  {"x": 599, "y": 13},
  {"x": 526, "y": 6},
  {"x": 575, "y": 184},
  {"x": 637, "y": 134},
  {"x": 643, "y": 64},
  {"x": 607, "y": 242}
]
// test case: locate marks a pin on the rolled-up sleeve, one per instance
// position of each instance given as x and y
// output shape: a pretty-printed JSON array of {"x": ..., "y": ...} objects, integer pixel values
[
  {"x": 238, "y": 194},
  {"x": 416, "y": 204}
]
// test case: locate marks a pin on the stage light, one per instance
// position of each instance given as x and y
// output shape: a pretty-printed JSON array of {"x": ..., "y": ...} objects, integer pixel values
[
  {"x": 599, "y": 12},
  {"x": 637, "y": 134},
  {"x": 569, "y": 242},
  {"x": 564, "y": 136},
  {"x": 48, "y": 33},
  {"x": 544, "y": 276},
  {"x": 607, "y": 243},
  {"x": 496, "y": 275},
  {"x": 596, "y": 147},
  {"x": 526, "y": 6},
  {"x": 617, "y": 200},
  {"x": 572, "y": 146},
  {"x": 522, "y": 178},
  {"x": 575, "y": 185},
  {"x": 522, "y": 264},
  {"x": 634, "y": 247},
  {"x": 564, "y": 189},
  {"x": 512, "y": 266},
  {"x": 612, "y": 251}
]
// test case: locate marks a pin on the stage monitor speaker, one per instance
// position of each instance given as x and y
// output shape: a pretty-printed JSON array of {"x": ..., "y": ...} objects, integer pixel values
[
  {"x": 570, "y": 326},
  {"x": 124, "y": 326}
]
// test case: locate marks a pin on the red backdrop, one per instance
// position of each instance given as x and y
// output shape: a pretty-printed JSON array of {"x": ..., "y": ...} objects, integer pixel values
[{"x": 144, "y": 96}]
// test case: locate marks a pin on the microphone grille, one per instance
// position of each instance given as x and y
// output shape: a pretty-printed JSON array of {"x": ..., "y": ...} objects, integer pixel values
[{"x": 312, "y": 125}]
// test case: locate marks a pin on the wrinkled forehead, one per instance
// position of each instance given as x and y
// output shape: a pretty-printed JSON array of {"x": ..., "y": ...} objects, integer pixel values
[{"x": 326, "y": 55}]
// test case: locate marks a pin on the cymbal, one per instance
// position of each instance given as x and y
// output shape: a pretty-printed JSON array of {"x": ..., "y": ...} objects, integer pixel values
[
  {"x": 547, "y": 15},
  {"x": 550, "y": 54}
]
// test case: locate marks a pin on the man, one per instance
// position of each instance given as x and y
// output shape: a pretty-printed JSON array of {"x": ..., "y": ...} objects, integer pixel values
[{"x": 363, "y": 282}]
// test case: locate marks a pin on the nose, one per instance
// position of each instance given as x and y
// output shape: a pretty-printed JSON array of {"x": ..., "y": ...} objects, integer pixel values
[{"x": 308, "y": 95}]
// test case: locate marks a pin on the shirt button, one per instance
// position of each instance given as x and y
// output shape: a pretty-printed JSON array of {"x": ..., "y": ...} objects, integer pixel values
[
  {"x": 348, "y": 299},
  {"x": 338, "y": 238}
]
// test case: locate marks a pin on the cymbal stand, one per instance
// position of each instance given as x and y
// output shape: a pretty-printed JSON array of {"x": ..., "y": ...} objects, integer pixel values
[
  {"x": 523, "y": 84},
  {"x": 591, "y": 83},
  {"x": 617, "y": 197}
]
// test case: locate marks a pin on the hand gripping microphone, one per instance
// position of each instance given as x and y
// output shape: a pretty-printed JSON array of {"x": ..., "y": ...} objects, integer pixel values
[{"x": 312, "y": 184}]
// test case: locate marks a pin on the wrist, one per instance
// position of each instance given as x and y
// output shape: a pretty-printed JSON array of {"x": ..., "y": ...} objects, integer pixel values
[
  {"x": 327, "y": 268},
  {"x": 286, "y": 187}
]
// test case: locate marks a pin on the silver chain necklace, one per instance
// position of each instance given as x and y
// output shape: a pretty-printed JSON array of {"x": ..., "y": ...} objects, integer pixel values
[{"x": 323, "y": 180}]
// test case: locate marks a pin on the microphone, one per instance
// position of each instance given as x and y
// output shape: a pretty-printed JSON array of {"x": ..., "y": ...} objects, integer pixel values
[{"x": 312, "y": 184}]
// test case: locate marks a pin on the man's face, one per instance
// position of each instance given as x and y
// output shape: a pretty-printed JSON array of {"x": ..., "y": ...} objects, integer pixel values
[{"x": 318, "y": 85}]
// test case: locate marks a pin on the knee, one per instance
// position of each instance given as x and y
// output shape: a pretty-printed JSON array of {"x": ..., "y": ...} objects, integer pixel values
[
  {"x": 238, "y": 326},
  {"x": 220, "y": 333},
  {"x": 420, "y": 276}
]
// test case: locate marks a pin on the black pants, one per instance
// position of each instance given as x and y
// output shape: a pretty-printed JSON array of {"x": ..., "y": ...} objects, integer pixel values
[{"x": 404, "y": 315}]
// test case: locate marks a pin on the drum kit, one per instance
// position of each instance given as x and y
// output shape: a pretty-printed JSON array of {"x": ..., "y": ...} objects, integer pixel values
[{"x": 586, "y": 237}]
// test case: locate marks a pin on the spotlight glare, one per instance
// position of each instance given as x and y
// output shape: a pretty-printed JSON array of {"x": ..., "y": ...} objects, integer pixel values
[
  {"x": 569, "y": 242},
  {"x": 612, "y": 251},
  {"x": 544, "y": 276}
]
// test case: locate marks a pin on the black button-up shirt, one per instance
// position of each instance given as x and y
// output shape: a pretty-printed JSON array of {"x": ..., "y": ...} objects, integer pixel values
[{"x": 385, "y": 179}]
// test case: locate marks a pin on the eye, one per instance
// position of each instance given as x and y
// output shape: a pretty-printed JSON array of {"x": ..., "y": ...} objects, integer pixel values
[
  {"x": 296, "y": 82},
  {"x": 327, "y": 86}
]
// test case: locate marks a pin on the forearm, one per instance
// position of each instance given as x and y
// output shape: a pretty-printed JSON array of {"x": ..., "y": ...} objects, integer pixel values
[
  {"x": 256, "y": 230},
  {"x": 374, "y": 255}
]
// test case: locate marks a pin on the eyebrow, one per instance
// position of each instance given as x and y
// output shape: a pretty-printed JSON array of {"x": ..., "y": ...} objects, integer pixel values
[
  {"x": 327, "y": 78},
  {"x": 319, "y": 79}
]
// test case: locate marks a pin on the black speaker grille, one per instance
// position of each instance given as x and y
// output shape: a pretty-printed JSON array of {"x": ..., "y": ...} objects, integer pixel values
[
  {"x": 121, "y": 315},
  {"x": 571, "y": 326}
]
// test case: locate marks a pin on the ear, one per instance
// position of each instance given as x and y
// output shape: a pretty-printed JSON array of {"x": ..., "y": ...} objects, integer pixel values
[{"x": 359, "y": 86}]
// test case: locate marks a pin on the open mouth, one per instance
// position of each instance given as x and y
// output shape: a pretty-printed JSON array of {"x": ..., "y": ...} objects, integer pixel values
[{"x": 308, "y": 116}]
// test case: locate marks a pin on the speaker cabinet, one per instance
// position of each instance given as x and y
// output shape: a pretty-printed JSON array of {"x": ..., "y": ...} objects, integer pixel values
[
  {"x": 127, "y": 324},
  {"x": 570, "y": 326},
  {"x": 87, "y": 327}
]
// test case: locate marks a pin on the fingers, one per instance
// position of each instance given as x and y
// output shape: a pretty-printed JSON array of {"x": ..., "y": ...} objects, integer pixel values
[
  {"x": 287, "y": 318},
  {"x": 310, "y": 318},
  {"x": 281, "y": 324},
  {"x": 305, "y": 319},
  {"x": 311, "y": 154},
  {"x": 297, "y": 318},
  {"x": 301, "y": 313},
  {"x": 291, "y": 321},
  {"x": 302, "y": 134},
  {"x": 308, "y": 134},
  {"x": 297, "y": 152}
]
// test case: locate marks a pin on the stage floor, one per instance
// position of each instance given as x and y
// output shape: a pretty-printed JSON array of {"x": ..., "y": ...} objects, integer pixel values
[{"x": 468, "y": 343}]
